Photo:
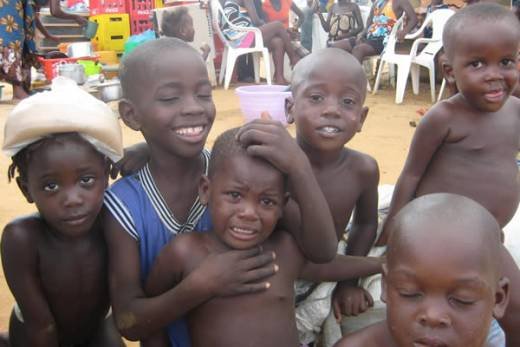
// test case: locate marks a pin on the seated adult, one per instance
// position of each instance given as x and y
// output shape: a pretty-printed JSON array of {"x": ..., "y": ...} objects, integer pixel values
[
  {"x": 343, "y": 22},
  {"x": 383, "y": 16},
  {"x": 278, "y": 10},
  {"x": 275, "y": 36}
]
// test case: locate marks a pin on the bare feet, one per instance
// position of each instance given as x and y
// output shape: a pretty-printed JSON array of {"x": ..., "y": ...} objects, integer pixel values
[{"x": 280, "y": 80}]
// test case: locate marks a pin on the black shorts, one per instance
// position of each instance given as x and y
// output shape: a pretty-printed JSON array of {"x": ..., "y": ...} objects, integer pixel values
[{"x": 376, "y": 44}]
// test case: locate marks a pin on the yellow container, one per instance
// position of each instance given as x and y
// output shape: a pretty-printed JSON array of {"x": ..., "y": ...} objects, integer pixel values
[
  {"x": 158, "y": 3},
  {"x": 107, "y": 57},
  {"x": 113, "y": 31}
]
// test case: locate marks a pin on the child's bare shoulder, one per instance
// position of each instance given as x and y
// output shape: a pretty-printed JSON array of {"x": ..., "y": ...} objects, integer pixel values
[
  {"x": 184, "y": 246},
  {"x": 360, "y": 163},
  {"x": 23, "y": 231}
]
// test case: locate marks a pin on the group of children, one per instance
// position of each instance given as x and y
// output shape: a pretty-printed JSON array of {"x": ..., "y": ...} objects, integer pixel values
[{"x": 264, "y": 209}]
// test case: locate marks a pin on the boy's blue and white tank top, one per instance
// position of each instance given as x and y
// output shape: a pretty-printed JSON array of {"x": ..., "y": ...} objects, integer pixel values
[{"x": 136, "y": 203}]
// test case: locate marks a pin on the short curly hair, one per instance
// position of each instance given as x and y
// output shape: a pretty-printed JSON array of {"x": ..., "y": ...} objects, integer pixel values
[{"x": 173, "y": 22}]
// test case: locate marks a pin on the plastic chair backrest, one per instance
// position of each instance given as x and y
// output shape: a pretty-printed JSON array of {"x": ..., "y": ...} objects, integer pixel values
[
  {"x": 392, "y": 37},
  {"x": 438, "y": 19},
  {"x": 217, "y": 13}
]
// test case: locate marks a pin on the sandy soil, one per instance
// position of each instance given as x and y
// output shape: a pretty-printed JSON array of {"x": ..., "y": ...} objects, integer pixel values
[{"x": 386, "y": 136}]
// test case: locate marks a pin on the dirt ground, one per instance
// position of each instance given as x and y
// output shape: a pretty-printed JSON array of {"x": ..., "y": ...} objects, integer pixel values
[{"x": 386, "y": 136}]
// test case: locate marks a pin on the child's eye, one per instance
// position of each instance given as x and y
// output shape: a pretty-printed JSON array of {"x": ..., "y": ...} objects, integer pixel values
[
  {"x": 476, "y": 64},
  {"x": 316, "y": 98},
  {"x": 268, "y": 202},
  {"x": 87, "y": 180},
  {"x": 168, "y": 98},
  {"x": 204, "y": 96},
  {"x": 50, "y": 187},
  {"x": 348, "y": 101},
  {"x": 410, "y": 295},
  {"x": 462, "y": 302},
  {"x": 508, "y": 63},
  {"x": 233, "y": 195}
]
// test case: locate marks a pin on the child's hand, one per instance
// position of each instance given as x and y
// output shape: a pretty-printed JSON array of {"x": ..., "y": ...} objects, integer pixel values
[
  {"x": 270, "y": 140},
  {"x": 237, "y": 272},
  {"x": 135, "y": 158},
  {"x": 349, "y": 300}
]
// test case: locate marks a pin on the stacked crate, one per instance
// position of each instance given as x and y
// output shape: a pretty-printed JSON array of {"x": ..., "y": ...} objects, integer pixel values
[
  {"x": 98, "y": 7},
  {"x": 140, "y": 15},
  {"x": 112, "y": 33}
]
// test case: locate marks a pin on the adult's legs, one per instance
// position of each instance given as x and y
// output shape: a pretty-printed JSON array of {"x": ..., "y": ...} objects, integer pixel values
[
  {"x": 363, "y": 50},
  {"x": 276, "y": 29},
  {"x": 276, "y": 47}
]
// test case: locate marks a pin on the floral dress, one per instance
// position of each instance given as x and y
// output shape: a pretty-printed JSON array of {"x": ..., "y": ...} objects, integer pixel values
[
  {"x": 17, "y": 27},
  {"x": 383, "y": 20}
]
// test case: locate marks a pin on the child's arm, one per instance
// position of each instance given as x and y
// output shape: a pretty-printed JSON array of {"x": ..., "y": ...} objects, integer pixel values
[
  {"x": 348, "y": 298},
  {"x": 310, "y": 222},
  {"x": 342, "y": 267},
  {"x": 20, "y": 264},
  {"x": 135, "y": 158},
  {"x": 167, "y": 271},
  {"x": 231, "y": 273},
  {"x": 429, "y": 136}
]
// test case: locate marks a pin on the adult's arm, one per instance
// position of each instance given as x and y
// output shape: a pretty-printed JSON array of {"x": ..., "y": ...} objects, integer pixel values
[
  {"x": 253, "y": 14},
  {"x": 360, "y": 26},
  {"x": 325, "y": 23},
  {"x": 429, "y": 136},
  {"x": 20, "y": 263},
  {"x": 411, "y": 18},
  {"x": 57, "y": 11},
  {"x": 298, "y": 12}
]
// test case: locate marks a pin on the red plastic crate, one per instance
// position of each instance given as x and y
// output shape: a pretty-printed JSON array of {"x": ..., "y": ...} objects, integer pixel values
[
  {"x": 138, "y": 24},
  {"x": 107, "y": 7},
  {"x": 50, "y": 66},
  {"x": 139, "y": 8}
]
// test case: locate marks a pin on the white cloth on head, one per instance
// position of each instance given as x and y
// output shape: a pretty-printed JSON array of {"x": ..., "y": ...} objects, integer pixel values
[{"x": 65, "y": 108}]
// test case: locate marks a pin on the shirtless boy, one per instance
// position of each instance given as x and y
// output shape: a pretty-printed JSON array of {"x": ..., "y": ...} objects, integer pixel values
[
  {"x": 468, "y": 143},
  {"x": 55, "y": 261},
  {"x": 168, "y": 97},
  {"x": 327, "y": 106},
  {"x": 432, "y": 300},
  {"x": 246, "y": 196}
]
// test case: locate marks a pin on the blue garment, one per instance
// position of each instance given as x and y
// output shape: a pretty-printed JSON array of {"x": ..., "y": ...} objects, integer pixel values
[
  {"x": 136, "y": 203},
  {"x": 17, "y": 28}
]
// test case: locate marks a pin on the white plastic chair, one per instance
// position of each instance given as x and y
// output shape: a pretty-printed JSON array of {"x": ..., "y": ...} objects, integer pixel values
[
  {"x": 426, "y": 57},
  {"x": 231, "y": 53},
  {"x": 403, "y": 62}
]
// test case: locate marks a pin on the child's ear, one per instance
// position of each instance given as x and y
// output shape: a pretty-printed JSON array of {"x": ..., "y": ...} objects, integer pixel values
[
  {"x": 363, "y": 117},
  {"x": 204, "y": 189},
  {"x": 501, "y": 298},
  {"x": 447, "y": 70},
  {"x": 22, "y": 184},
  {"x": 289, "y": 108},
  {"x": 129, "y": 115},
  {"x": 384, "y": 286}
]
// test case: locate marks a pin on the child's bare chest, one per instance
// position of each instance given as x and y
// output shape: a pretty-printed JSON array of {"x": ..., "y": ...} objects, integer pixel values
[
  {"x": 74, "y": 278},
  {"x": 341, "y": 190}
]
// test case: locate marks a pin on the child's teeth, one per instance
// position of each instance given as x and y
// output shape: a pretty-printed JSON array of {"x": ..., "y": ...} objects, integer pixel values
[
  {"x": 330, "y": 129},
  {"x": 243, "y": 231},
  {"x": 190, "y": 131}
]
